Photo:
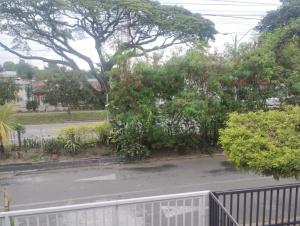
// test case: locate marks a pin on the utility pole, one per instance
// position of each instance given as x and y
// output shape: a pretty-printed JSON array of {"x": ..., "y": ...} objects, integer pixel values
[{"x": 235, "y": 48}]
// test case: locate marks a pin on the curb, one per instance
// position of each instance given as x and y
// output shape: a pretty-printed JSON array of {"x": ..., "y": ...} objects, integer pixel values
[
  {"x": 80, "y": 163},
  {"x": 57, "y": 165}
]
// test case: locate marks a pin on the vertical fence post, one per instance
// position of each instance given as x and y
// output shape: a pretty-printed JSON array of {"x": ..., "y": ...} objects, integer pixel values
[
  {"x": 115, "y": 216},
  {"x": 7, "y": 221}
]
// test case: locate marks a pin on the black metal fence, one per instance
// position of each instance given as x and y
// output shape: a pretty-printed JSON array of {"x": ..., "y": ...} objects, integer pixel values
[
  {"x": 218, "y": 214},
  {"x": 267, "y": 206}
]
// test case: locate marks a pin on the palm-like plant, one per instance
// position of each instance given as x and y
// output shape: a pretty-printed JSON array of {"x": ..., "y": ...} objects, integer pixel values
[{"x": 6, "y": 123}]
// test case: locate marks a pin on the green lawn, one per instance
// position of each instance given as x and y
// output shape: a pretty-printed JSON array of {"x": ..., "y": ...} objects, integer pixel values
[{"x": 59, "y": 117}]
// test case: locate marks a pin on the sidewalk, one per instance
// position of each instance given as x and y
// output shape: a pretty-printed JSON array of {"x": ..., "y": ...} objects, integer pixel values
[{"x": 57, "y": 164}]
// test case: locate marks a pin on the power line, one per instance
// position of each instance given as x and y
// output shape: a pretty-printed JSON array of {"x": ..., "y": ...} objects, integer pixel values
[
  {"x": 218, "y": 4},
  {"x": 241, "y": 2}
]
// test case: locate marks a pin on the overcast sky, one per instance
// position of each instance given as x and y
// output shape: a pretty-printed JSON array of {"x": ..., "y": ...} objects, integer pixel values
[{"x": 231, "y": 17}]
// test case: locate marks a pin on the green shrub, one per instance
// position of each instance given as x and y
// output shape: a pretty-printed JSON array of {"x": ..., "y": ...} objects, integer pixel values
[
  {"x": 32, "y": 105},
  {"x": 29, "y": 143},
  {"x": 103, "y": 132},
  {"x": 128, "y": 144},
  {"x": 75, "y": 138},
  {"x": 72, "y": 145},
  {"x": 266, "y": 142},
  {"x": 53, "y": 146}
]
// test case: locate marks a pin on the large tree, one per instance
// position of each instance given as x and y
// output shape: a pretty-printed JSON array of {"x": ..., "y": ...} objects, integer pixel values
[
  {"x": 56, "y": 24},
  {"x": 289, "y": 10}
]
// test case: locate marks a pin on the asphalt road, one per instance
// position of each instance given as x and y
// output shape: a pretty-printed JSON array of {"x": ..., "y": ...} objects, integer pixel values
[{"x": 70, "y": 186}]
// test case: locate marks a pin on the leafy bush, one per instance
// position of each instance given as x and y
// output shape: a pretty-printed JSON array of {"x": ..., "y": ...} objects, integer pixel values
[
  {"x": 31, "y": 105},
  {"x": 127, "y": 144},
  {"x": 72, "y": 145},
  {"x": 74, "y": 138},
  {"x": 179, "y": 105},
  {"x": 266, "y": 142},
  {"x": 53, "y": 146},
  {"x": 103, "y": 132},
  {"x": 31, "y": 143}
]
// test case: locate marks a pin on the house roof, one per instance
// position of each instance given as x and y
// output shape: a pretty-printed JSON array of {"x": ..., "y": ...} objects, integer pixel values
[{"x": 38, "y": 87}]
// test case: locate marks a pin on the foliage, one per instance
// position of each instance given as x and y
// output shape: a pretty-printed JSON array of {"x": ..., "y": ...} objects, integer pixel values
[
  {"x": 32, "y": 105},
  {"x": 85, "y": 136},
  {"x": 266, "y": 142},
  {"x": 282, "y": 47},
  {"x": 72, "y": 145},
  {"x": 59, "y": 23},
  {"x": 128, "y": 142},
  {"x": 71, "y": 140},
  {"x": 72, "y": 92},
  {"x": 289, "y": 10},
  {"x": 179, "y": 105},
  {"x": 9, "y": 66},
  {"x": 29, "y": 143},
  {"x": 103, "y": 132},
  {"x": 20, "y": 129},
  {"x": 6, "y": 123},
  {"x": 24, "y": 70},
  {"x": 53, "y": 146},
  {"x": 8, "y": 90}
]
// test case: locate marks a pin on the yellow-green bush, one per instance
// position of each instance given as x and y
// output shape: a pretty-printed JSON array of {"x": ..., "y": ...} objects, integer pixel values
[
  {"x": 87, "y": 136},
  {"x": 267, "y": 142}
]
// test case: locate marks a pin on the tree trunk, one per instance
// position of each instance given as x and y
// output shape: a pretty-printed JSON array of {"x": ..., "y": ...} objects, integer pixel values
[
  {"x": 1, "y": 146},
  {"x": 69, "y": 110},
  {"x": 19, "y": 140}
]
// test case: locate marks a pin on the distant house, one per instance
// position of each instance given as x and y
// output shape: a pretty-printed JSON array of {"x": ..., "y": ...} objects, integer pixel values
[
  {"x": 8, "y": 75},
  {"x": 22, "y": 84},
  {"x": 39, "y": 91}
]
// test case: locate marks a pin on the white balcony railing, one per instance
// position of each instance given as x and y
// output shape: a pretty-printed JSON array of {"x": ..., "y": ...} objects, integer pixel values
[{"x": 186, "y": 209}]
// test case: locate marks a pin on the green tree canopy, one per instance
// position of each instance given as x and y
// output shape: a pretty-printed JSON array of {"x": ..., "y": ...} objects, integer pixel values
[
  {"x": 115, "y": 26},
  {"x": 9, "y": 66},
  {"x": 288, "y": 11},
  {"x": 25, "y": 70}
]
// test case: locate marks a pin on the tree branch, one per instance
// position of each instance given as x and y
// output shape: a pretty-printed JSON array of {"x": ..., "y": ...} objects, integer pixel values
[{"x": 37, "y": 57}]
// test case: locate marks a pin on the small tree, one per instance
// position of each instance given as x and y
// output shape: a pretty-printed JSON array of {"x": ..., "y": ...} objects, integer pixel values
[
  {"x": 8, "y": 91},
  {"x": 32, "y": 105},
  {"x": 20, "y": 129},
  {"x": 266, "y": 142}
]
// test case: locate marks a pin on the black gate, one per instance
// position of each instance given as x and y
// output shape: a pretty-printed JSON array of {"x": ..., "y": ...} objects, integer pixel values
[{"x": 266, "y": 206}]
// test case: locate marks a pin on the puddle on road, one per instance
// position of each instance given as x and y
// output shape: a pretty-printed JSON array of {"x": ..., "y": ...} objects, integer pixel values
[{"x": 153, "y": 169}]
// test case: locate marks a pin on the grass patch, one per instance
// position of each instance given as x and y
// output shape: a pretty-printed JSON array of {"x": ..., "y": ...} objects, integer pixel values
[{"x": 35, "y": 118}]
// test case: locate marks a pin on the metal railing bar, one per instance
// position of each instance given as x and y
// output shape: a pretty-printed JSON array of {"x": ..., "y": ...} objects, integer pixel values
[
  {"x": 290, "y": 205},
  {"x": 103, "y": 204},
  {"x": 277, "y": 205},
  {"x": 283, "y": 206},
  {"x": 238, "y": 208},
  {"x": 296, "y": 204},
  {"x": 275, "y": 187},
  {"x": 245, "y": 210},
  {"x": 264, "y": 208},
  {"x": 223, "y": 208},
  {"x": 251, "y": 207},
  {"x": 257, "y": 208},
  {"x": 271, "y": 206}
]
